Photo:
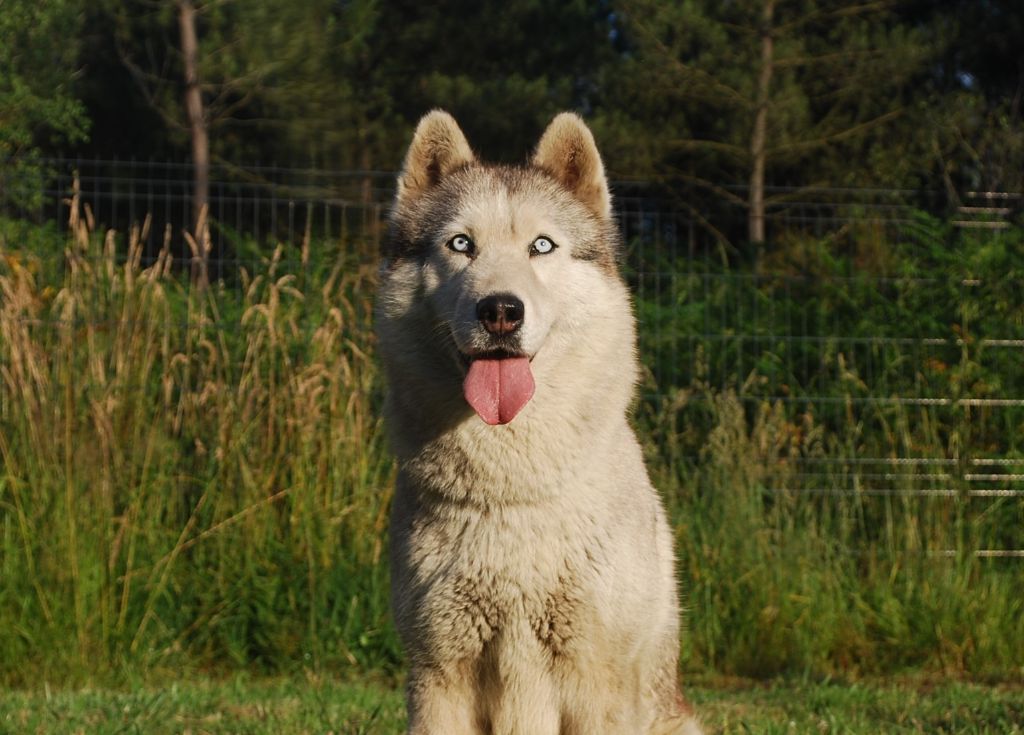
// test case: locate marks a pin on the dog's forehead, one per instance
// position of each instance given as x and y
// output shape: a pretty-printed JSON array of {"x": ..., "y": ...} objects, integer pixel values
[{"x": 521, "y": 202}]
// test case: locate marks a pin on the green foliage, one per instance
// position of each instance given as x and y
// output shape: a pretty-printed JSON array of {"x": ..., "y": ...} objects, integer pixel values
[
  {"x": 37, "y": 70},
  {"x": 896, "y": 94},
  {"x": 502, "y": 68},
  {"x": 784, "y": 404},
  {"x": 904, "y": 95},
  {"x": 38, "y": 107},
  {"x": 786, "y": 570},
  {"x": 681, "y": 106},
  {"x": 849, "y": 312},
  {"x": 278, "y": 78},
  {"x": 344, "y": 82}
]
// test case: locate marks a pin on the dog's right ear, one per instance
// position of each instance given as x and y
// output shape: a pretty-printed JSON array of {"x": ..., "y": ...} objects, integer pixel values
[{"x": 438, "y": 148}]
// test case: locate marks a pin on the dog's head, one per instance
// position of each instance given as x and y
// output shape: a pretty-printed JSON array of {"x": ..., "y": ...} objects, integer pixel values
[{"x": 505, "y": 259}]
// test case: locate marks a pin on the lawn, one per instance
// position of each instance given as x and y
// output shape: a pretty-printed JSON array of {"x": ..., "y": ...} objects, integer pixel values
[{"x": 285, "y": 706}]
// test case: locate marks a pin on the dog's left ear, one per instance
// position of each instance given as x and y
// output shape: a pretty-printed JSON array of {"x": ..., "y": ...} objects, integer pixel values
[{"x": 568, "y": 152}]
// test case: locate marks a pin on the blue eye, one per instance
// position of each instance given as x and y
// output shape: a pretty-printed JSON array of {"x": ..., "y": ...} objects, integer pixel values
[
  {"x": 542, "y": 246},
  {"x": 461, "y": 244}
]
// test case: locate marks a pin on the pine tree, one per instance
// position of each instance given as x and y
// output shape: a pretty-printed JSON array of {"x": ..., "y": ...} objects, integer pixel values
[{"x": 767, "y": 91}]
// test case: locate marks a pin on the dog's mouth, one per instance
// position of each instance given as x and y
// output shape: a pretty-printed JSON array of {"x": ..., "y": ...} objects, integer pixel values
[
  {"x": 498, "y": 384},
  {"x": 468, "y": 358}
]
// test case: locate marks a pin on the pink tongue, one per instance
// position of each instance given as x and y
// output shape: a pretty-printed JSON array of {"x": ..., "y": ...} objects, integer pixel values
[{"x": 498, "y": 389}]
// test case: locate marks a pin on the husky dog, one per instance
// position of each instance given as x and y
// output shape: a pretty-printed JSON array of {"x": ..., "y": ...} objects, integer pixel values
[{"x": 532, "y": 564}]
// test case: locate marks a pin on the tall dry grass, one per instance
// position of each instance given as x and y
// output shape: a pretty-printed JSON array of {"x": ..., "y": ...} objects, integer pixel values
[{"x": 191, "y": 475}]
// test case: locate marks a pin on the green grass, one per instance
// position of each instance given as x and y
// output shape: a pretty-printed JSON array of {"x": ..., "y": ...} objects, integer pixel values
[
  {"x": 315, "y": 705},
  {"x": 240, "y": 705}
]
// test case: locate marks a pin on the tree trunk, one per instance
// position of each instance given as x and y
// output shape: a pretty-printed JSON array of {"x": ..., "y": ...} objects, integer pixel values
[
  {"x": 755, "y": 216},
  {"x": 196, "y": 122}
]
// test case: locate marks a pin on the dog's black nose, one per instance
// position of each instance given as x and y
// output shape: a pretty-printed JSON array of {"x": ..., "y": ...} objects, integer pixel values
[{"x": 501, "y": 314}]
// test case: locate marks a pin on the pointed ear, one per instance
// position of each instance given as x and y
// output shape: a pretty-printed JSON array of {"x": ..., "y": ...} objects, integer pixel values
[
  {"x": 438, "y": 148},
  {"x": 568, "y": 152}
]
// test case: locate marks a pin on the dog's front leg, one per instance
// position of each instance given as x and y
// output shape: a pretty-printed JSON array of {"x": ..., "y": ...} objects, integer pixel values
[
  {"x": 441, "y": 704},
  {"x": 523, "y": 697}
]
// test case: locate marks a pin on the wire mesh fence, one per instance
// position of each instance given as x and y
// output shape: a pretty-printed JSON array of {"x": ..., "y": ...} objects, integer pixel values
[
  {"x": 902, "y": 357},
  {"x": 248, "y": 207}
]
